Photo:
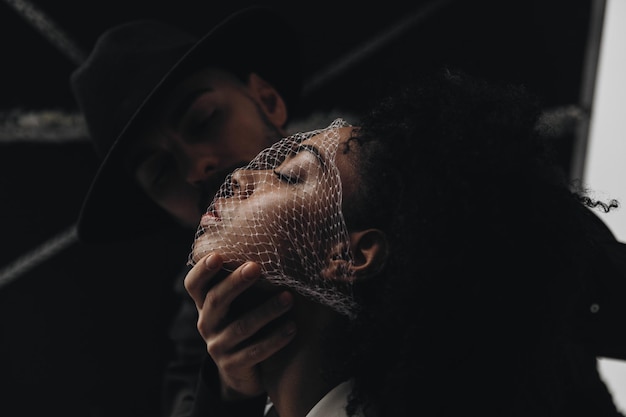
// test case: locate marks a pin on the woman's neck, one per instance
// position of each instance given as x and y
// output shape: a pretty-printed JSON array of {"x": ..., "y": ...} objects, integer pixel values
[{"x": 295, "y": 377}]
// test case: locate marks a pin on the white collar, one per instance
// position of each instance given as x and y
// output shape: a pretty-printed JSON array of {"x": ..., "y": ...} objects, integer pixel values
[{"x": 334, "y": 403}]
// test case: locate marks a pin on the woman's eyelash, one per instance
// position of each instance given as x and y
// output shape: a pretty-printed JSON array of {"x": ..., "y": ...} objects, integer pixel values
[{"x": 289, "y": 179}]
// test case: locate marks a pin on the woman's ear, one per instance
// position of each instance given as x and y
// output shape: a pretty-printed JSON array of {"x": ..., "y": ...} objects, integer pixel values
[
  {"x": 269, "y": 99},
  {"x": 369, "y": 251}
]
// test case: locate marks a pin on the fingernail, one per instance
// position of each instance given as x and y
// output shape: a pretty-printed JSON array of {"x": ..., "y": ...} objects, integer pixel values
[
  {"x": 285, "y": 299},
  {"x": 248, "y": 272},
  {"x": 289, "y": 329},
  {"x": 210, "y": 262}
]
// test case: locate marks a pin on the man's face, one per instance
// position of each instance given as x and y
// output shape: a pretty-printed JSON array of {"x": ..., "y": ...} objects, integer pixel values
[{"x": 208, "y": 124}]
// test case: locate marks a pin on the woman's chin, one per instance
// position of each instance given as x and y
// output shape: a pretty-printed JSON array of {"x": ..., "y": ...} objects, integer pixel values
[{"x": 253, "y": 297}]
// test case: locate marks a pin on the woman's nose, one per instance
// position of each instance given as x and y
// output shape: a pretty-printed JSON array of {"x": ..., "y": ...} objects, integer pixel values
[{"x": 242, "y": 183}]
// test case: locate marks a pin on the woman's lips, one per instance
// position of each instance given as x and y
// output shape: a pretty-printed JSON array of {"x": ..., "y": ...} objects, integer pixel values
[
  {"x": 199, "y": 246},
  {"x": 210, "y": 217}
]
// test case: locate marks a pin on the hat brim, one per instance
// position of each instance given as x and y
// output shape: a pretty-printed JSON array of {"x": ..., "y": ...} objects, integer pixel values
[{"x": 258, "y": 38}]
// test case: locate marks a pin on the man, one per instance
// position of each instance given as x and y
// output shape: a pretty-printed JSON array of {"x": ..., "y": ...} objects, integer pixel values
[{"x": 171, "y": 115}]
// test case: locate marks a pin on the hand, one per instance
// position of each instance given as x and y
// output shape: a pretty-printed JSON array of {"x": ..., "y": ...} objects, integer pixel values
[{"x": 237, "y": 343}]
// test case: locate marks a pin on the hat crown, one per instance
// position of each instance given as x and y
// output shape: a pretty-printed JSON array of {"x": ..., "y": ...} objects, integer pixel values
[{"x": 125, "y": 65}]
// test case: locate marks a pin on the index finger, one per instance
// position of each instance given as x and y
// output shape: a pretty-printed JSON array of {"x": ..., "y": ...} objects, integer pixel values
[{"x": 204, "y": 281}]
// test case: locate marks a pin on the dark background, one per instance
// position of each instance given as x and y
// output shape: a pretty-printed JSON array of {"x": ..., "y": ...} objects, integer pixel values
[{"x": 82, "y": 325}]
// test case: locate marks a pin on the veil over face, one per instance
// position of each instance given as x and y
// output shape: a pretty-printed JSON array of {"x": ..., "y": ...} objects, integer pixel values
[{"x": 283, "y": 211}]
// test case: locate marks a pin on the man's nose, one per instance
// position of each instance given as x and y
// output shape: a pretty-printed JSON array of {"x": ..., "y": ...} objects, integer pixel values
[{"x": 200, "y": 169}]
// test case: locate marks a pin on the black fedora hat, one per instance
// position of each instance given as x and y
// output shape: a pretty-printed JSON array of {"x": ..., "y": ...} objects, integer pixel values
[{"x": 130, "y": 66}]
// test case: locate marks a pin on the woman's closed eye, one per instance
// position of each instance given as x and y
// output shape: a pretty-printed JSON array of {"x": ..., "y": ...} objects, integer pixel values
[
  {"x": 301, "y": 162},
  {"x": 288, "y": 176}
]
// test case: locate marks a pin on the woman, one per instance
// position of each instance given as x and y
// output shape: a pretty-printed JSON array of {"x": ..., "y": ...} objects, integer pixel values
[{"x": 434, "y": 256}]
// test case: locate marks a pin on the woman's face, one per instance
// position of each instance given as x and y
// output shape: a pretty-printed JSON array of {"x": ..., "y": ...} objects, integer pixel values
[{"x": 283, "y": 211}]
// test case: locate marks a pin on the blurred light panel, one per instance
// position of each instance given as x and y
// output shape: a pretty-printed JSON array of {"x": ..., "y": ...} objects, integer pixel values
[{"x": 605, "y": 163}]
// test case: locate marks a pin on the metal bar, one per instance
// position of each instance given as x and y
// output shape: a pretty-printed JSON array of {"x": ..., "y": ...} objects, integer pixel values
[
  {"x": 44, "y": 25},
  {"x": 373, "y": 45},
  {"x": 40, "y": 21},
  {"x": 590, "y": 69},
  {"x": 36, "y": 257},
  {"x": 43, "y": 126}
]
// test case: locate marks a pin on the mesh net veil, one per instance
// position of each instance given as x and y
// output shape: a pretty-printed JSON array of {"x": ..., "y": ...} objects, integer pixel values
[{"x": 283, "y": 211}]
